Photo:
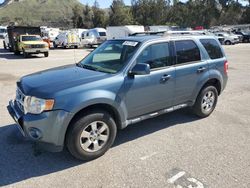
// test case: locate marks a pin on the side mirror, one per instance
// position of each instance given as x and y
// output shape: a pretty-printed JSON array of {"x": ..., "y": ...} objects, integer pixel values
[{"x": 140, "y": 69}]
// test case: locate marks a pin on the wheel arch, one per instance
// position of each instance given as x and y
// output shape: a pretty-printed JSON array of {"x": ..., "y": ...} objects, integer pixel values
[{"x": 101, "y": 106}]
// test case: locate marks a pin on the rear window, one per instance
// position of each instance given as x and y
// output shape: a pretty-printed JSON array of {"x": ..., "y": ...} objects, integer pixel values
[
  {"x": 102, "y": 34},
  {"x": 212, "y": 47},
  {"x": 187, "y": 51}
]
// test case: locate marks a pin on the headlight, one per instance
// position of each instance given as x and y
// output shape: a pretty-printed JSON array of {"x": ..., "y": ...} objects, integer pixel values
[{"x": 35, "y": 105}]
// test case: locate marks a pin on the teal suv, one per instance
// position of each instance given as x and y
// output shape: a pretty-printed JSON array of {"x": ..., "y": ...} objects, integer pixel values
[{"x": 122, "y": 82}]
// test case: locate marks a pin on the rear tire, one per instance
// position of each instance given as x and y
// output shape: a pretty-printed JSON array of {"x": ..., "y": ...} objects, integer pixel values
[
  {"x": 17, "y": 53},
  {"x": 4, "y": 45},
  {"x": 91, "y": 135},
  {"x": 54, "y": 45},
  {"x": 46, "y": 54},
  {"x": 76, "y": 47},
  {"x": 206, "y": 101}
]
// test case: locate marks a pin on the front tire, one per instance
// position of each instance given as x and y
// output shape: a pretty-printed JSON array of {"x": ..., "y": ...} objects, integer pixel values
[
  {"x": 206, "y": 101},
  {"x": 91, "y": 135},
  {"x": 25, "y": 54},
  {"x": 46, "y": 54},
  {"x": 228, "y": 42}
]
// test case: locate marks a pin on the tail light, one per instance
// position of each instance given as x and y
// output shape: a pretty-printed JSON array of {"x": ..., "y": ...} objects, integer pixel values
[{"x": 226, "y": 67}]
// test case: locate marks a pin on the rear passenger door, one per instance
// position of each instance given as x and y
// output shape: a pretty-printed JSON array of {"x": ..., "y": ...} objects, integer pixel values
[{"x": 190, "y": 70}]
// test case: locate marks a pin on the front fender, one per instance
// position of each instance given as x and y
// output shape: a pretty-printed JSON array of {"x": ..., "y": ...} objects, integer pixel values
[{"x": 82, "y": 100}]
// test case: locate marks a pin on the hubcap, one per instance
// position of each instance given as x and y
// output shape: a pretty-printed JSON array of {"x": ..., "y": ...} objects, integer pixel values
[
  {"x": 94, "y": 136},
  {"x": 208, "y": 101}
]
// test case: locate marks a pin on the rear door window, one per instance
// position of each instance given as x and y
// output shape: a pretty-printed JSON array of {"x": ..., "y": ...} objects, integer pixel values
[
  {"x": 212, "y": 47},
  {"x": 187, "y": 51}
]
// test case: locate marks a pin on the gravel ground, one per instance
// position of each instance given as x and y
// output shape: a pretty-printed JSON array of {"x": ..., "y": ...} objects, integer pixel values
[{"x": 172, "y": 150}]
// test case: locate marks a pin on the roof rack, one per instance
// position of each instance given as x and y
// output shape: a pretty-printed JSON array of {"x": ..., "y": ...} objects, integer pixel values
[{"x": 170, "y": 33}]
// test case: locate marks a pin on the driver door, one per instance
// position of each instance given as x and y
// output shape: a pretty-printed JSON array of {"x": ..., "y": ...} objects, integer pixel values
[{"x": 155, "y": 91}]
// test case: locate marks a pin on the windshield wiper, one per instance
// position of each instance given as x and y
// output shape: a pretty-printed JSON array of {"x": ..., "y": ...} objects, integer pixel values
[{"x": 85, "y": 66}]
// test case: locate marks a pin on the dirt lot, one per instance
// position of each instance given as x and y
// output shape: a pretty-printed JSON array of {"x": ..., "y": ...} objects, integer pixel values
[{"x": 175, "y": 149}]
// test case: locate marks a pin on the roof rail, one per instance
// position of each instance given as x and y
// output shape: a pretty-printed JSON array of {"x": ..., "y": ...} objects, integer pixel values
[{"x": 193, "y": 32}]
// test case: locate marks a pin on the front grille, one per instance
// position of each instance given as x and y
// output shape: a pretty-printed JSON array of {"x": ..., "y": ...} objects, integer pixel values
[
  {"x": 37, "y": 46},
  {"x": 20, "y": 99}
]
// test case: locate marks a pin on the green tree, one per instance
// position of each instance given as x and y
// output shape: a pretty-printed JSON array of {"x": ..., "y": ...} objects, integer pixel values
[
  {"x": 120, "y": 14},
  {"x": 87, "y": 17},
  {"x": 77, "y": 17},
  {"x": 150, "y": 12},
  {"x": 99, "y": 18}
]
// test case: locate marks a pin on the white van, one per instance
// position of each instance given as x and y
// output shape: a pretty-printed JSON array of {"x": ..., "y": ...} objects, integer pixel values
[
  {"x": 94, "y": 37},
  {"x": 67, "y": 39},
  {"x": 114, "y": 32}
]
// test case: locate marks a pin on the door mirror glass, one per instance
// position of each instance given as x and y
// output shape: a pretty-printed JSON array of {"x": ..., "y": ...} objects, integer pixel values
[{"x": 140, "y": 69}]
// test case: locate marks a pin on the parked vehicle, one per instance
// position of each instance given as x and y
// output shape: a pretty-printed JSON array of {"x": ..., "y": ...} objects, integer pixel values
[
  {"x": 114, "y": 32},
  {"x": 245, "y": 35},
  {"x": 26, "y": 40},
  {"x": 122, "y": 82},
  {"x": 3, "y": 32},
  {"x": 6, "y": 44},
  {"x": 67, "y": 39},
  {"x": 229, "y": 39},
  {"x": 79, "y": 32},
  {"x": 159, "y": 28},
  {"x": 49, "y": 34},
  {"x": 94, "y": 37}
]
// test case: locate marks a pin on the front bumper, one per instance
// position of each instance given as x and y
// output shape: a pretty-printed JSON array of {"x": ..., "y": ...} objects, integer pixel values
[
  {"x": 48, "y": 128},
  {"x": 36, "y": 50}
]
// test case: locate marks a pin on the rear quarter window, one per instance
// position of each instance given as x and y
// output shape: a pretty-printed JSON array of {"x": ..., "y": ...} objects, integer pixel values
[
  {"x": 212, "y": 47},
  {"x": 187, "y": 51}
]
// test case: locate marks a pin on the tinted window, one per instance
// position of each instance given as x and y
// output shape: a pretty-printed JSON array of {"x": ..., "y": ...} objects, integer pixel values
[
  {"x": 156, "y": 55},
  {"x": 212, "y": 47},
  {"x": 102, "y": 34},
  {"x": 187, "y": 51}
]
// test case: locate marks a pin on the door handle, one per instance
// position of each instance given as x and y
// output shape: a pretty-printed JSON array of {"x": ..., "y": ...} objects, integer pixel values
[
  {"x": 201, "y": 69},
  {"x": 165, "y": 78}
]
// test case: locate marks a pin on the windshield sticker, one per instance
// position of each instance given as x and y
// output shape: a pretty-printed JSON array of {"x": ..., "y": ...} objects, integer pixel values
[{"x": 129, "y": 43}]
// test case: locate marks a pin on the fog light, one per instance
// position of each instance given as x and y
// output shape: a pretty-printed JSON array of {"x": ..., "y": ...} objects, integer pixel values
[{"x": 35, "y": 133}]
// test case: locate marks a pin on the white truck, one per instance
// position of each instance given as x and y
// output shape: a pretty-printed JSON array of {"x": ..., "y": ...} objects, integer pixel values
[
  {"x": 3, "y": 32},
  {"x": 159, "y": 28},
  {"x": 6, "y": 44},
  {"x": 49, "y": 32},
  {"x": 114, "y": 32},
  {"x": 67, "y": 39},
  {"x": 94, "y": 37}
]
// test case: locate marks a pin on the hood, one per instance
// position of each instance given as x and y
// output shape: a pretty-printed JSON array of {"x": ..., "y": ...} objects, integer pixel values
[{"x": 48, "y": 82}]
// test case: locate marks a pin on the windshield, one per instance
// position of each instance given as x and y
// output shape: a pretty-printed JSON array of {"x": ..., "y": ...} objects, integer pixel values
[
  {"x": 110, "y": 57},
  {"x": 31, "y": 38},
  {"x": 3, "y": 30}
]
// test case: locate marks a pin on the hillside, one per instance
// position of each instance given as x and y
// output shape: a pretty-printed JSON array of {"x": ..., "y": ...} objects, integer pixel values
[{"x": 56, "y": 13}]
